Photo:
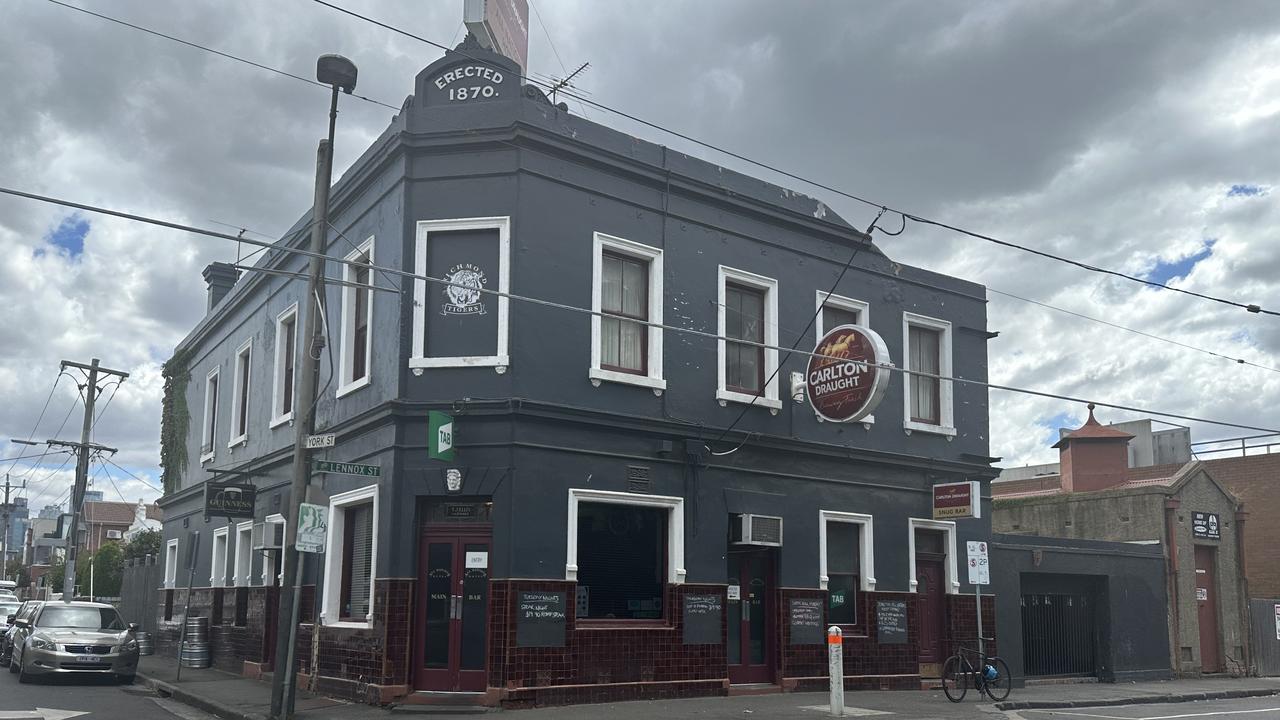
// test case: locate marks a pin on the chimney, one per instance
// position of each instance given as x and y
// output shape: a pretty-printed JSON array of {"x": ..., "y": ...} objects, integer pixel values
[
  {"x": 221, "y": 277},
  {"x": 1093, "y": 457}
]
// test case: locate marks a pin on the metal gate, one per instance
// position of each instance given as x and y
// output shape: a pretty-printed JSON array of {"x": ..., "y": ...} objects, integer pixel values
[
  {"x": 1058, "y": 635},
  {"x": 1265, "y": 617}
]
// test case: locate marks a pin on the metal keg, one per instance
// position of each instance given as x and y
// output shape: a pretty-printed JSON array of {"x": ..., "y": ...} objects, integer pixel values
[
  {"x": 145, "y": 645},
  {"x": 197, "y": 629},
  {"x": 195, "y": 654}
]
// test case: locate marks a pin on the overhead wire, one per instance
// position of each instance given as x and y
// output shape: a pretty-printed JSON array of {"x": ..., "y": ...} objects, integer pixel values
[
  {"x": 1250, "y": 307},
  {"x": 36, "y": 427},
  {"x": 588, "y": 311},
  {"x": 126, "y": 471}
]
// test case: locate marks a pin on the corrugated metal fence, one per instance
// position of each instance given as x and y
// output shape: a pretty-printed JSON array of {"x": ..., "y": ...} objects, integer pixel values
[{"x": 1265, "y": 619}]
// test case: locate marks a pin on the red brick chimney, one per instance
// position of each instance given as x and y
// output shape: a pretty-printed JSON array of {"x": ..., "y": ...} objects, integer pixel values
[{"x": 1093, "y": 457}]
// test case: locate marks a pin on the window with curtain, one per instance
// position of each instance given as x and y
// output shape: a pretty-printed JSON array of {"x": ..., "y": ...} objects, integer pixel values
[
  {"x": 744, "y": 320},
  {"x": 243, "y": 365},
  {"x": 923, "y": 356},
  {"x": 287, "y": 336},
  {"x": 357, "y": 561},
  {"x": 622, "y": 560},
  {"x": 624, "y": 299},
  {"x": 210, "y": 413},
  {"x": 843, "y": 552},
  {"x": 360, "y": 331},
  {"x": 834, "y": 317}
]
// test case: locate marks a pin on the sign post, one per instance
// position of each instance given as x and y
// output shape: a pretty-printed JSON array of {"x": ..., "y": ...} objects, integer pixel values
[
  {"x": 979, "y": 575},
  {"x": 835, "y": 668}
]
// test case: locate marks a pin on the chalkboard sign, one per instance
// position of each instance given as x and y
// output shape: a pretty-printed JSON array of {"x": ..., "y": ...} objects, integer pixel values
[
  {"x": 540, "y": 618},
  {"x": 806, "y": 621},
  {"x": 891, "y": 622},
  {"x": 702, "y": 619}
]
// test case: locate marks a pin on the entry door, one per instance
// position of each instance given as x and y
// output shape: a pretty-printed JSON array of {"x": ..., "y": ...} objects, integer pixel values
[
  {"x": 750, "y": 647},
  {"x": 930, "y": 587},
  {"x": 452, "y": 611},
  {"x": 1207, "y": 604}
]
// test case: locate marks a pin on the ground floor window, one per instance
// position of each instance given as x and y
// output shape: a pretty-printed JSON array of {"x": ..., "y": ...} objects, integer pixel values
[
  {"x": 350, "y": 557},
  {"x": 357, "y": 553},
  {"x": 622, "y": 560},
  {"x": 842, "y": 572}
]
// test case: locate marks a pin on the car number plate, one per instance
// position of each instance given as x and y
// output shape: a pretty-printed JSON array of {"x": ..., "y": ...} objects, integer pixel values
[{"x": 89, "y": 659}]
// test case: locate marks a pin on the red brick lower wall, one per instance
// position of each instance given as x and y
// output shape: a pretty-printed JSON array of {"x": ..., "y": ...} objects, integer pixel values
[
  {"x": 868, "y": 665},
  {"x": 355, "y": 663},
  {"x": 962, "y": 622}
]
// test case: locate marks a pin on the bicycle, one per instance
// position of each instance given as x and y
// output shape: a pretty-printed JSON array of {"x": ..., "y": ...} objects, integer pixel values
[{"x": 994, "y": 679}]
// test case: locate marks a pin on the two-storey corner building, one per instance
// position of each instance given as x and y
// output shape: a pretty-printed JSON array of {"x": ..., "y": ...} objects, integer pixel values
[{"x": 597, "y": 534}]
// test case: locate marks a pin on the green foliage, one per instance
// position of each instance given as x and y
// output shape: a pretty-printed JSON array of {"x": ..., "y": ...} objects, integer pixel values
[
  {"x": 147, "y": 542},
  {"x": 18, "y": 572},
  {"x": 175, "y": 420},
  {"x": 108, "y": 568}
]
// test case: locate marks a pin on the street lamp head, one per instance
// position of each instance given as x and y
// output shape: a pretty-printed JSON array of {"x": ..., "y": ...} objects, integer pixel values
[
  {"x": 337, "y": 71},
  {"x": 23, "y": 442}
]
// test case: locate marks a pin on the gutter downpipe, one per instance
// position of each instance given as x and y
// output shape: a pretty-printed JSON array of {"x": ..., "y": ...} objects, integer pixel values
[{"x": 1171, "y": 505}]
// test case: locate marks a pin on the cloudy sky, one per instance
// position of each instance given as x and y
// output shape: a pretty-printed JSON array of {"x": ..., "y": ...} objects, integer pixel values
[{"x": 1137, "y": 136}]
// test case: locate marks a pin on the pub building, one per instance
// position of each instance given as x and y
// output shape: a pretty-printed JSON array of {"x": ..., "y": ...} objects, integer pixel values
[{"x": 528, "y": 505}]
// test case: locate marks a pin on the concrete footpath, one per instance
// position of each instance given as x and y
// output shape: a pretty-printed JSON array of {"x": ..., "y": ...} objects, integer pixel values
[{"x": 235, "y": 698}]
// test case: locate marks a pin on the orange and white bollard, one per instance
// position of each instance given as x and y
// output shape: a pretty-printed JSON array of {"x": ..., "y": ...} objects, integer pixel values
[{"x": 835, "y": 668}]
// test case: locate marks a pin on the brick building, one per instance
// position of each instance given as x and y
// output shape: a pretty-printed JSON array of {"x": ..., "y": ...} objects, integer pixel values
[
  {"x": 105, "y": 521},
  {"x": 1185, "y": 508},
  {"x": 593, "y": 537}
]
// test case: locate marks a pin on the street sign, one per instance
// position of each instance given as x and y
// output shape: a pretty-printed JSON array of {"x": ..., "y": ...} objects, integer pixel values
[
  {"x": 326, "y": 466},
  {"x": 440, "y": 442},
  {"x": 957, "y": 500},
  {"x": 313, "y": 528},
  {"x": 321, "y": 441},
  {"x": 979, "y": 569}
]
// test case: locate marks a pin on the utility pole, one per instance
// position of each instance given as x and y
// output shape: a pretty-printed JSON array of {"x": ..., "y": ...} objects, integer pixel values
[
  {"x": 93, "y": 369},
  {"x": 337, "y": 72},
  {"x": 4, "y": 543}
]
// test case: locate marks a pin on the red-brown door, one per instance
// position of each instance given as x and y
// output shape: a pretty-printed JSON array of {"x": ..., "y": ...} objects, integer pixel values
[
  {"x": 930, "y": 586},
  {"x": 1207, "y": 604},
  {"x": 452, "y": 612},
  {"x": 750, "y": 642}
]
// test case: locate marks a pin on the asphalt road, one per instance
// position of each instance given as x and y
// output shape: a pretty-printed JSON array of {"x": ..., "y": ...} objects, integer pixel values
[
  {"x": 1264, "y": 708},
  {"x": 90, "y": 699}
]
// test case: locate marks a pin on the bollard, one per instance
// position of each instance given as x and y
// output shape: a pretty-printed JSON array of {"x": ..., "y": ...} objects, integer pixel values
[{"x": 835, "y": 668}]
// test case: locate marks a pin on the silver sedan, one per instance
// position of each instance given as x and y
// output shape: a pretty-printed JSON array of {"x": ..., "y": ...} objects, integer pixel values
[{"x": 74, "y": 638}]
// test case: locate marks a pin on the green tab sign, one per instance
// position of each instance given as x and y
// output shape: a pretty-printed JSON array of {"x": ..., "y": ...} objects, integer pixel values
[
  {"x": 326, "y": 466},
  {"x": 440, "y": 428}
]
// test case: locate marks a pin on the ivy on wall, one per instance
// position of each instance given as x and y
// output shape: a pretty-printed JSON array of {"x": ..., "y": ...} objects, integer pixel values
[{"x": 175, "y": 420}]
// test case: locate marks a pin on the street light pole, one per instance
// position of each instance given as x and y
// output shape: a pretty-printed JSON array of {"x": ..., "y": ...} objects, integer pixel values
[{"x": 339, "y": 73}]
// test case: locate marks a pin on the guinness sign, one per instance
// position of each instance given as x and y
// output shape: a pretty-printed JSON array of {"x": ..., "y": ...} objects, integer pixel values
[
  {"x": 845, "y": 380},
  {"x": 229, "y": 500}
]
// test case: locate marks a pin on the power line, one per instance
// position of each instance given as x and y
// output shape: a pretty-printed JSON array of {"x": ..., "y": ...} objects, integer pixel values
[
  {"x": 36, "y": 427},
  {"x": 135, "y": 477},
  {"x": 110, "y": 479},
  {"x": 56, "y": 433},
  {"x": 588, "y": 311},
  {"x": 563, "y": 68},
  {"x": 1250, "y": 307}
]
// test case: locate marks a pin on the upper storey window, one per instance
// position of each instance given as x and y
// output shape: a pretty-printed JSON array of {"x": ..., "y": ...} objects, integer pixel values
[
  {"x": 748, "y": 321},
  {"x": 928, "y": 404},
  {"x": 627, "y": 294},
  {"x": 357, "y": 316}
]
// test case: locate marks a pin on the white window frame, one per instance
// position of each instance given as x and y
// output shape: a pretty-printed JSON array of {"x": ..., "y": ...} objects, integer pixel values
[
  {"x": 277, "y": 395},
  {"x": 948, "y": 527},
  {"x": 240, "y": 395},
  {"x": 675, "y": 526},
  {"x": 500, "y": 361},
  {"x": 862, "y": 307},
  {"x": 242, "y": 572},
  {"x": 210, "y": 426},
  {"x": 118, "y": 534},
  {"x": 171, "y": 563},
  {"x": 945, "y": 392},
  {"x": 345, "y": 360},
  {"x": 333, "y": 556},
  {"x": 269, "y": 560},
  {"x": 770, "y": 398},
  {"x": 220, "y": 536},
  {"x": 653, "y": 378},
  {"x": 866, "y": 546}
]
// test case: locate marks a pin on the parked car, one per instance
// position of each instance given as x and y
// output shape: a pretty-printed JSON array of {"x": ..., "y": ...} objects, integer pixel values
[
  {"x": 74, "y": 638},
  {"x": 26, "y": 610}
]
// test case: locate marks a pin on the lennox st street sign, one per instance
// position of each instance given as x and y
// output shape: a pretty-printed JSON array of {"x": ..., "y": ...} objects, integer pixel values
[{"x": 338, "y": 468}]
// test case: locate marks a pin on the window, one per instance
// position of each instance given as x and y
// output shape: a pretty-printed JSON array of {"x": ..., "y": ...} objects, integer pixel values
[
  {"x": 928, "y": 350},
  {"x": 210, "y": 415},
  {"x": 286, "y": 361},
  {"x": 622, "y": 550},
  {"x": 357, "y": 315},
  {"x": 244, "y": 554},
  {"x": 627, "y": 287},
  {"x": 837, "y": 311},
  {"x": 170, "y": 562},
  {"x": 351, "y": 555},
  {"x": 941, "y": 536},
  {"x": 748, "y": 314},
  {"x": 846, "y": 558},
  {"x": 273, "y": 544},
  {"x": 218, "y": 561},
  {"x": 240, "y": 394}
]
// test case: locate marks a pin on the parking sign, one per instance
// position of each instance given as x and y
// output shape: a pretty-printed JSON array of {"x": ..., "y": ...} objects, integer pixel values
[{"x": 979, "y": 569}]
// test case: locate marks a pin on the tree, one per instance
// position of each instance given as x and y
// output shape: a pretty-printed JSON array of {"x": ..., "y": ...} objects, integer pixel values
[
  {"x": 18, "y": 572},
  {"x": 147, "y": 542},
  {"x": 107, "y": 570}
]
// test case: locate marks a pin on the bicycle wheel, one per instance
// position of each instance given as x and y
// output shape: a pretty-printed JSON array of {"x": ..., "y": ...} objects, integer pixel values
[
  {"x": 998, "y": 689},
  {"x": 955, "y": 678}
]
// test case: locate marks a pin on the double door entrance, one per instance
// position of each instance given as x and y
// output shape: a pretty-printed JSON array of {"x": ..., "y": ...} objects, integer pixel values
[
  {"x": 451, "y": 638},
  {"x": 750, "y": 647}
]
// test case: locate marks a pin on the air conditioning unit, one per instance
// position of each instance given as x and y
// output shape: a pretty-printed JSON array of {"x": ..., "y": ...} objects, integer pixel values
[
  {"x": 114, "y": 534},
  {"x": 268, "y": 536},
  {"x": 747, "y": 529}
]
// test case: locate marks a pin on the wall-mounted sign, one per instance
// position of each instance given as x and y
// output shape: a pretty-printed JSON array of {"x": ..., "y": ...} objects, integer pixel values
[
  {"x": 844, "y": 380},
  {"x": 979, "y": 565},
  {"x": 321, "y": 441},
  {"x": 440, "y": 432},
  {"x": 462, "y": 294},
  {"x": 326, "y": 466},
  {"x": 478, "y": 559},
  {"x": 1202, "y": 593},
  {"x": 957, "y": 500},
  {"x": 313, "y": 528},
  {"x": 229, "y": 499},
  {"x": 1205, "y": 525},
  {"x": 501, "y": 26}
]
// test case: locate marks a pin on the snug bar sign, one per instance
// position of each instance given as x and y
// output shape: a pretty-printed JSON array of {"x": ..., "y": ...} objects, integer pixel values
[{"x": 325, "y": 466}]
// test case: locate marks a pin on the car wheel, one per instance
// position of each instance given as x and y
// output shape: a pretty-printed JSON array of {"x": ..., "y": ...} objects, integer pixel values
[{"x": 23, "y": 676}]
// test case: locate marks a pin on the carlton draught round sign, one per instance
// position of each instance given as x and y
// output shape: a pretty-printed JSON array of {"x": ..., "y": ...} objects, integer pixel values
[{"x": 844, "y": 380}]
